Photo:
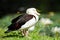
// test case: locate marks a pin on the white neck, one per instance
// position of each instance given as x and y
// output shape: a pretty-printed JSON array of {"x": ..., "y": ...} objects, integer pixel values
[{"x": 35, "y": 16}]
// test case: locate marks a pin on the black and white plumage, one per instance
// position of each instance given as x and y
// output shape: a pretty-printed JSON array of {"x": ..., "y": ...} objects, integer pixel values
[{"x": 24, "y": 22}]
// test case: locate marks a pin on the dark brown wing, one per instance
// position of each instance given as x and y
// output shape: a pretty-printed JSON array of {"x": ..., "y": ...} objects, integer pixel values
[
  {"x": 25, "y": 18},
  {"x": 15, "y": 19},
  {"x": 20, "y": 22}
]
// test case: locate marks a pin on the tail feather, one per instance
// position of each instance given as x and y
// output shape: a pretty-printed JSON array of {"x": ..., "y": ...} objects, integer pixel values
[{"x": 7, "y": 31}]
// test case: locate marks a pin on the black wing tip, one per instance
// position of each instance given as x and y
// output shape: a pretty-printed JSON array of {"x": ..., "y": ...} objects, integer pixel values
[{"x": 7, "y": 31}]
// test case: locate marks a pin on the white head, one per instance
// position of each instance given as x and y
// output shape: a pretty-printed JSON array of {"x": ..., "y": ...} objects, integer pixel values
[{"x": 32, "y": 11}]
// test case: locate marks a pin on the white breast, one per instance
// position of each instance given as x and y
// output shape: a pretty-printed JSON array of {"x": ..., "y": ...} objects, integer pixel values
[{"x": 29, "y": 23}]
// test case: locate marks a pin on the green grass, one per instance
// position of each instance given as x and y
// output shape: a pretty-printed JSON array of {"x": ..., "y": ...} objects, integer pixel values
[{"x": 35, "y": 35}]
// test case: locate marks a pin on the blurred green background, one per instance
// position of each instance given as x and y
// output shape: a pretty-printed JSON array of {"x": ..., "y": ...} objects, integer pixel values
[{"x": 47, "y": 8}]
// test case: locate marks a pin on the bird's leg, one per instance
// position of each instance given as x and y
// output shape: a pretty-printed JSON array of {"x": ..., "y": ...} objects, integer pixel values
[
  {"x": 22, "y": 32},
  {"x": 26, "y": 34}
]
